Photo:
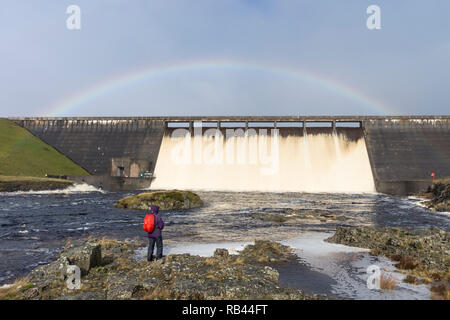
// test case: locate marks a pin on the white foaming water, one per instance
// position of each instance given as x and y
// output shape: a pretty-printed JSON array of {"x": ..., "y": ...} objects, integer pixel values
[
  {"x": 267, "y": 163},
  {"x": 76, "y": 188},
  {"x": 416, "y": 201}
]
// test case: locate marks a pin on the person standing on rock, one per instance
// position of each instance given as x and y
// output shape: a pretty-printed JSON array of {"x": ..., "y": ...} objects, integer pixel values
[{"x": 155, "y": 235}]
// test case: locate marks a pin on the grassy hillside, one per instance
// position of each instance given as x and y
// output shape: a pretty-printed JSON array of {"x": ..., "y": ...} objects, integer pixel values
[
  {"x": 22, "y": 154},
  {"x": 12, "y": 184}
]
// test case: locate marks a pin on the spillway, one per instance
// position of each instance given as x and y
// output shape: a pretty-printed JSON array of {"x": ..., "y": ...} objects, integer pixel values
[{"x": 317, "y": 160}]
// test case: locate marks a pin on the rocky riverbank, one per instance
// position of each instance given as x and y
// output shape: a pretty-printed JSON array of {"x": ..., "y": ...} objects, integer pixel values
[
  {"x": 166, "y": 200},
  {"x": 110, "y": 270},
  {"x": 17, "y": 183},
  {"x": 439, "y": 196},
  {"x": 423, "y": 254}
]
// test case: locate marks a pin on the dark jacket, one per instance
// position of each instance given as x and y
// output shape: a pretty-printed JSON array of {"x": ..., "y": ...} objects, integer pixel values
[{"x": 159, "y": 225}]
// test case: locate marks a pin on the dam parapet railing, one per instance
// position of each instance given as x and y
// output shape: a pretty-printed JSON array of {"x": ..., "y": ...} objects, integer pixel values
[
  {"x": 101, "y": 120},
  {"x": 139, "y": 123}
]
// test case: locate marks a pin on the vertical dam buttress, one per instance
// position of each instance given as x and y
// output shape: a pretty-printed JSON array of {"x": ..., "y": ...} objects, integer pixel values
[
  {"x": 404, "y": 152},
  {"x": 94, "y": 143}
]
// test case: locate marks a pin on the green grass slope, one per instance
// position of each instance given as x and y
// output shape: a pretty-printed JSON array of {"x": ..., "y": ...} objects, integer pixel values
[{"x": 22, "y": 154}]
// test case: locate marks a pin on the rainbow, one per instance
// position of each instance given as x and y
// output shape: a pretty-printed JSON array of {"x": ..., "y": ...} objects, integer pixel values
[{"x": 121, "y": 81}]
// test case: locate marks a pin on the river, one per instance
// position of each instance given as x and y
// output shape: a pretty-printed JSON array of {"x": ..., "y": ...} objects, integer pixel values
[{"x": 34, "y": 226}]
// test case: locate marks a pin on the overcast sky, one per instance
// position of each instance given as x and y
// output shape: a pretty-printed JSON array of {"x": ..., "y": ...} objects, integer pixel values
[{"x": 224, "y": 57}]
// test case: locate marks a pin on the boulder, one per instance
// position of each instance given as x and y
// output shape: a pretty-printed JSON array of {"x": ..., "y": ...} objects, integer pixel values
[
  {"x": 85, "y": 257},
  {"x": 271, "y": 274},
  {"x": 264, "y": 251},
  {"x": 439, "y": 193},
  {"x": 221, "y": 253},
  {"x": 165, "y": 200}
]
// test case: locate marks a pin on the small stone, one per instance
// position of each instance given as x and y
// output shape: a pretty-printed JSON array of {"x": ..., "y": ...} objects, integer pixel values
[{"x": 221, "y": 253}]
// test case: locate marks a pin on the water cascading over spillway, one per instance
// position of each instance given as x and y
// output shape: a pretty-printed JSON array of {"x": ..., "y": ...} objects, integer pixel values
[{"x": 255, "y": 160}]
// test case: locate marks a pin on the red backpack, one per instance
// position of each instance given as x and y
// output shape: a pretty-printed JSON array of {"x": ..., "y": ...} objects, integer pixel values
[{"x": 149, "y": 222}]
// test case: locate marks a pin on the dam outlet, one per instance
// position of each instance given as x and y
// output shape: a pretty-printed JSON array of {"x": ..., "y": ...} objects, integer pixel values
[{"x": 265, "y": 160}]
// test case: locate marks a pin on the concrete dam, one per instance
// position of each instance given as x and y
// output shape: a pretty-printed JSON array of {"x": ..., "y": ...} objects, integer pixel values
[{"x": 393, "y": 155}]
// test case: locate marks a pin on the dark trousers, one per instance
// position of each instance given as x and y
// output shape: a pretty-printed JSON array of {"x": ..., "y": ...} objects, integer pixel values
[{"x": 151, "y": 247}]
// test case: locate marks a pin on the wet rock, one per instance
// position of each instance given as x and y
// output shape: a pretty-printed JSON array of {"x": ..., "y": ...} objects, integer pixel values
[
  {"x": 120, "y": 286},
  {"x": 423, "y": 252},
  {"x": 272, "y": 217},
  {"x": 46, "y": 275},
  {"x": 31, "y": 294},
  {"x": 271, "y": 274},
  {"x": 266, "y": 251},
  {"x": 50, "y": 279},
  {"x": 439, "y": 195},
  {"x": 221, "y": 253},
  {"x": 90, "y": 295},
  {"x": 166, "y": 200},
  {"x": 287, "y": 215}
]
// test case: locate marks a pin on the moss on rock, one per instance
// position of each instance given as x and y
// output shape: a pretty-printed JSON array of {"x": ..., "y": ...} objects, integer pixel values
[
  {"x": 439, "y": 195},
  {"x": 165, "y": 200}
]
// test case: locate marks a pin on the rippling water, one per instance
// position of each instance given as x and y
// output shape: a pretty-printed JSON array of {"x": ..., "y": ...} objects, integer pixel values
[{"x": 33, "y": 226}]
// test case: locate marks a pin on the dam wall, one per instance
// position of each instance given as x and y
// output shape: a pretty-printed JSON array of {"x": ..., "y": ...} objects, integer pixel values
[
  {"x": 98, "y": 144},
  {"x": 402, "y": 151},
  {"x": 405, "y": 152}
]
